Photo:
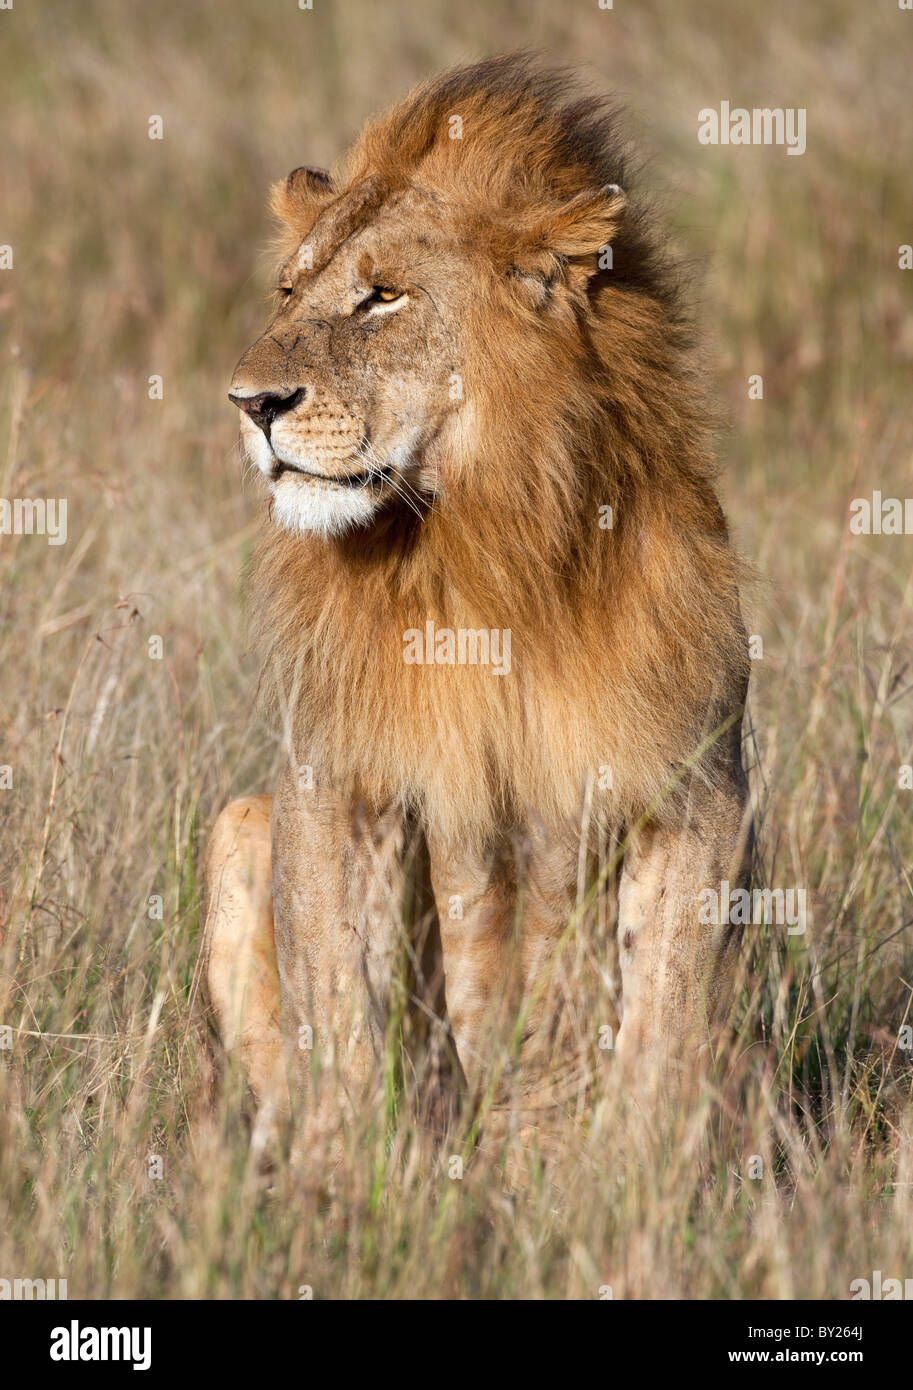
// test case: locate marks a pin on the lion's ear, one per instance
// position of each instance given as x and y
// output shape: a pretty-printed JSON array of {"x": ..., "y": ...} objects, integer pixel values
[
  {"x": 575, "y": 233},
  {"x": 582, "y": 226},
  {"x": 302, "y": 193},
  {"x": 305, "y": 181}
]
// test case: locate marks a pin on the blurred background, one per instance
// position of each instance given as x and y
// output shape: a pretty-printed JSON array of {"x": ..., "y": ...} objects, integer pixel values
[{"x": 135, "y": 259}]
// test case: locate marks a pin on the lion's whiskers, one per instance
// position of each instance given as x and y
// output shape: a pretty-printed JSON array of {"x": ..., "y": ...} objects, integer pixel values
[{"x": 376, "y": 467}]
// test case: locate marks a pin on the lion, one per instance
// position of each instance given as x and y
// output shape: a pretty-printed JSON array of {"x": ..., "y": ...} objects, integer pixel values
[{"x": 499, "y": 610}]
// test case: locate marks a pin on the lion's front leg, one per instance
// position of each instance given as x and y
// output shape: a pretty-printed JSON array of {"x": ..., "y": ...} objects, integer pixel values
[
  {"x": 510, "y": 983},
  {"x": 677, "y": 971},
  {"x": 476, "y": 907},
  {"x": 337, "y": 891},
  {"x": 238, "y": 958}
]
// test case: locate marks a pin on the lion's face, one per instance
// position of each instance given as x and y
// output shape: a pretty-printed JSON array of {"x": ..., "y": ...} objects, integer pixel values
[{"x": 345, "y": 394}]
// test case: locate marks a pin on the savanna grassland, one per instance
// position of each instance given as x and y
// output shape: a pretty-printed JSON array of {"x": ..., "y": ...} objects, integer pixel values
[{"x": 136, "y": 258}]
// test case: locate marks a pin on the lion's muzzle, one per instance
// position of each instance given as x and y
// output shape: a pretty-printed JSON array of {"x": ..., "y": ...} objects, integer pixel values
[{"x": 264, "y": 407}]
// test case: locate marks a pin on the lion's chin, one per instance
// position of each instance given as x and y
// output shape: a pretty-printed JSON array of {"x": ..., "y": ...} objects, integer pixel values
[{"x": 306, "y": 507}]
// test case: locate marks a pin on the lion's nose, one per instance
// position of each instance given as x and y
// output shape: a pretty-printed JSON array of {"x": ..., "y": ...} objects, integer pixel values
[{"x": 264, "y": 408}]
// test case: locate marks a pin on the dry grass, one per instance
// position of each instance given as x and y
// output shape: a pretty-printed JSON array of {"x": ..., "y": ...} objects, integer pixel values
[{"x": 135, "y": 257}]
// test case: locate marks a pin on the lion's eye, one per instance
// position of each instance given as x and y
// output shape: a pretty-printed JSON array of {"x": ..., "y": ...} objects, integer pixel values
[
  {"x": 383, "y": 294},
  {"x": 284, "y": 290}
]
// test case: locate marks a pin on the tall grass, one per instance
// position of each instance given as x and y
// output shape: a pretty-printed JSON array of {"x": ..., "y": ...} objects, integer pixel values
[{"x": 136, "y": 258}]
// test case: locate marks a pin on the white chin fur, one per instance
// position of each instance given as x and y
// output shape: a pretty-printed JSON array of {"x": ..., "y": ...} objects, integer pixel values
[
  {"x": 305, "y": 507},
  {"x": 320, "y": 508}
]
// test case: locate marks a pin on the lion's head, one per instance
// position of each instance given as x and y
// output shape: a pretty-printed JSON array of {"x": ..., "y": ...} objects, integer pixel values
[{"x": 459, "y": 246}]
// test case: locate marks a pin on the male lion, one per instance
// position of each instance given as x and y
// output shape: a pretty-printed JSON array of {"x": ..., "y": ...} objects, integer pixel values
[{"x": 500, "y": 612}]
